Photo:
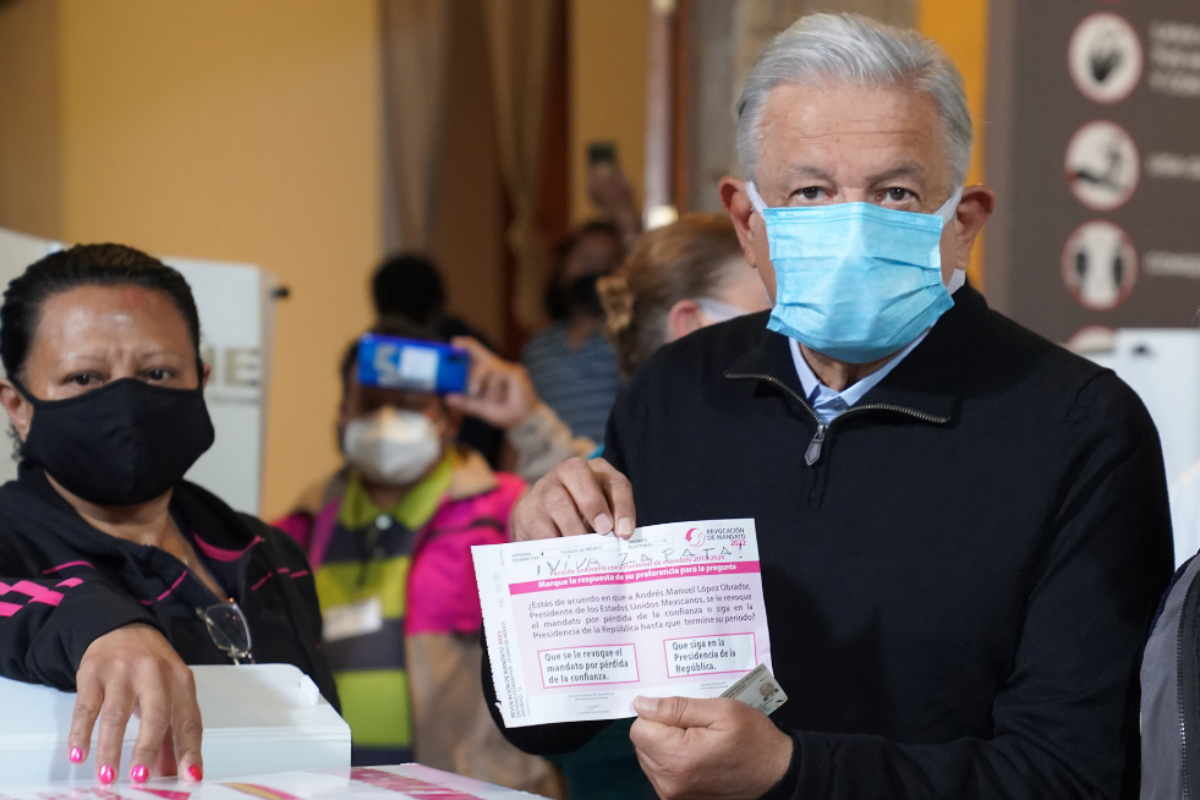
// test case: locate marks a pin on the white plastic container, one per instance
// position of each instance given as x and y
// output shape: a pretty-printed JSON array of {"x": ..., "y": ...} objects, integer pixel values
[{"x": 257, "y": 718}]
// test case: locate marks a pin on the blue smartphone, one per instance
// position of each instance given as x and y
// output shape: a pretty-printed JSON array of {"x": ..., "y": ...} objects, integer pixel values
[{"x": 411, "y": 365}]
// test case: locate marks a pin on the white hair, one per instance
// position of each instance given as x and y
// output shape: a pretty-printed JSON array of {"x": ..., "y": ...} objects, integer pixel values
[{"x": 821, "y": 49}]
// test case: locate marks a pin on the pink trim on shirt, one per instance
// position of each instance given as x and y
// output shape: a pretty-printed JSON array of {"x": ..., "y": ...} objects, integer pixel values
[
  {"x": 61, "y": 567},
  {"x": 37, "y": 593},
  {"x": 221, "y": 554},
  {"x": 174, "y": 586}
]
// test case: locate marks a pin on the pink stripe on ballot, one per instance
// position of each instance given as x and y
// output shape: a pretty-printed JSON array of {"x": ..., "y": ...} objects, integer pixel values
[{"x": 634, "y": 576}]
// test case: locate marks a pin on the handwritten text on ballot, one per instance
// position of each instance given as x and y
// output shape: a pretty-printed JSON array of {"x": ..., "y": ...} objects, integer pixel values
[{"x": 579, "y": 626}]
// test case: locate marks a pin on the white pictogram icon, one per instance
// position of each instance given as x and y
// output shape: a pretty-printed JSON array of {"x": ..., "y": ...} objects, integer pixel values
[
  {"x": 1099, "y": 265},
  {"x": 1105, "y": 57},
  {"x": 1103, "y": 166}
]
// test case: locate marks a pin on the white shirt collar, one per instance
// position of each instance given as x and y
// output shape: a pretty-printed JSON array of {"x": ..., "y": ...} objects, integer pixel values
[{"x": 827, "y": 402}]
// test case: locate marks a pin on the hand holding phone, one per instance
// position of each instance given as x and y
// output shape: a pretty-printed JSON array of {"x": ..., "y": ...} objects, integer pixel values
[{"x": 390, "y": 362}]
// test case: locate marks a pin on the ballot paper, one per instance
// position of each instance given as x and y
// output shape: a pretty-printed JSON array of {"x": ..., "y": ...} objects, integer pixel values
[
  {"x": 404, "y": 782},
  {"x": 577, "y": 627}
]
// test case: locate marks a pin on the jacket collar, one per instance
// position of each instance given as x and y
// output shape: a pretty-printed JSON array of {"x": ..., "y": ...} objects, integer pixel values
[
  {"x": 212, "y": 524},
  {"x": 929, "y": 382}
]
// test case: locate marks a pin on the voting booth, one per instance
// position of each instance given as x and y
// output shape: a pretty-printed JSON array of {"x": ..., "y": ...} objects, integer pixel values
[
  {"x": 236, "y": 321},
  {"x": 257, "y": 718}
]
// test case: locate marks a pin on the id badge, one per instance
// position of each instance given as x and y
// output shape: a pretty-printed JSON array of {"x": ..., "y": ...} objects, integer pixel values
[
  {"x": 356, "y": 619},
  {"x": 758, "y": 689}
]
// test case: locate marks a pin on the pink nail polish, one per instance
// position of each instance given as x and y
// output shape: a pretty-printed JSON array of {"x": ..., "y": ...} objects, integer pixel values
[
  {"x": 76, "y": 755},
  {"x": 195, "y": 773},
  {"x": 106, "y": 774},
  {"x": 139, "y": 774}
]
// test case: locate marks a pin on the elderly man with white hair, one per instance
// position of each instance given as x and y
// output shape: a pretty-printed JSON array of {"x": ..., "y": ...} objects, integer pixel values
[{"x": 963, "y": 528}]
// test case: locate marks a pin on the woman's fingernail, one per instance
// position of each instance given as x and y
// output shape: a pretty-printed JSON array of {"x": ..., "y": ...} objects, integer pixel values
[
  {"x": 76, "y": 755},
  {"x": 195, "y": 773},
  {"x": 624, "y": 526},
  {"x": 139, "y": 774},
  {"x": 602, "y": 523},
  {"x": 106, "y": 774},
  {"x": 645, "y": 705}
]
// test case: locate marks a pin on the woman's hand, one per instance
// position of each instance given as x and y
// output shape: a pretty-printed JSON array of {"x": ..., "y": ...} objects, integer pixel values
[
  {"x": 499, "y": 392},
  {"x": 135, "y": 669}
]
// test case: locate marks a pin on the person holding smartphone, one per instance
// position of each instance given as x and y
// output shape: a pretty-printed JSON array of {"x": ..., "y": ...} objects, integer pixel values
[{"x": 389, "y": 536}]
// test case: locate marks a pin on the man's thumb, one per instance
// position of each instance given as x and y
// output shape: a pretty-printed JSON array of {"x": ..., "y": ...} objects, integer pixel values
[{"x": 678, "y": 712}]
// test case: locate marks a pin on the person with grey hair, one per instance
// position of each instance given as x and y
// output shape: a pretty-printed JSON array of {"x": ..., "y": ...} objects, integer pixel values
[{"x": 963, "y": 528}]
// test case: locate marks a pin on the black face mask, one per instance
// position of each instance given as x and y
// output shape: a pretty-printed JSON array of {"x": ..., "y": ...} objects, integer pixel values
[
  {"x": 584, "y": 295},
  {"x": 123, "y": 444}
]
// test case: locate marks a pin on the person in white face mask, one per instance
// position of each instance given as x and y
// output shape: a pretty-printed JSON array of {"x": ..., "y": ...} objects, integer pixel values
[{"x": 389, "y": 537}]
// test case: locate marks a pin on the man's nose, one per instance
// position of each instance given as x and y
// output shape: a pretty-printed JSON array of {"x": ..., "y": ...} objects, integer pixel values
[{"x": 850, "y": 195}]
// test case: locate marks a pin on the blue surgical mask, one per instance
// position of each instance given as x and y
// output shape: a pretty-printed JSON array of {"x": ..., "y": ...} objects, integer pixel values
[{"x": 855, "y": 281}]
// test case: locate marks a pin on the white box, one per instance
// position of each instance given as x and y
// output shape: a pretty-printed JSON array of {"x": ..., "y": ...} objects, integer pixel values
[{"x": 257, "y": 718}]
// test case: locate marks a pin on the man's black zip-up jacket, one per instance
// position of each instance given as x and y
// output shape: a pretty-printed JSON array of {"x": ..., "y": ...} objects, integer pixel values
[
  {"x": 957, "y": 587},
  {"x": 64, "y": 583}
]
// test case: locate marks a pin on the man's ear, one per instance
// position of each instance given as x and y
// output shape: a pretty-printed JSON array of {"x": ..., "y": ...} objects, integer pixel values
[
  {"x": 19, "y": 410},
  {"x": 977, "y": 204},
  {"x": 741, "y": 212},
  {"x": 205, "y": 375}
]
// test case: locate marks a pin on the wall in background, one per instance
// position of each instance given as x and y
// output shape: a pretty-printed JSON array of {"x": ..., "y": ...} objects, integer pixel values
[
  {"x": 224, "y": 130},
  {"x": 608, "y": 44},
  {"x": 961, "y": 28},
  {"x": 468, "y": 219},
  {"x": 29, "y": 127}
]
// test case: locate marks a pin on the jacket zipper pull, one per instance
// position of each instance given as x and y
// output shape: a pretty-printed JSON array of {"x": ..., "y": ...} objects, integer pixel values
[{"x": 813, "y": 454}]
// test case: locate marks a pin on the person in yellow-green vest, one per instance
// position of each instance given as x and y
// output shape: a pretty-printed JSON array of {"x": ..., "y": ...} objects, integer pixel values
[{"x": 389, "y": 537}]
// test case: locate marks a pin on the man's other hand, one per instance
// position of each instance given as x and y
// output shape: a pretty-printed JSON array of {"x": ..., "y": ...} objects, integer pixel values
[
  {"x": 135, "y": 669},
  {"x": 574, "y": 498},
  {"x": 708, "y": 748}
]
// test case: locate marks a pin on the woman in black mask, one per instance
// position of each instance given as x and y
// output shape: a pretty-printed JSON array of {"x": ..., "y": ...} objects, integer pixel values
[
  {"x": 115, "y": 573},
  {"x": 571, "y": 362}
]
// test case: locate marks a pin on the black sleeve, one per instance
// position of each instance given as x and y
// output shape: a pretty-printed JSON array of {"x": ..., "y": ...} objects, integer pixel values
[
  {"x": 1066, "y": 725},
  {"x": 47, "y": 623},
  {"x": 541, "y": 740},
  {"x": 296, "y": 560}
]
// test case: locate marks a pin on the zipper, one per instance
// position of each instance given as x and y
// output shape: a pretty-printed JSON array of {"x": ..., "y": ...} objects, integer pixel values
[
  {"x": 815, "y": 447},
  {"x": 1185, "y": 679}
]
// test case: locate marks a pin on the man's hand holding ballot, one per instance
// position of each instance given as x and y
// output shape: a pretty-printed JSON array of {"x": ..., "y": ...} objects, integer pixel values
[
  {"x": 661, "y": 623},
  {"x": 962, "y": 529},
  {"x": 577, "y": 496}
]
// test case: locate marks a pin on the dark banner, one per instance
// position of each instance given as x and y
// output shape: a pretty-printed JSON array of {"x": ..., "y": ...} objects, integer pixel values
[{"x": 1094, "y": 146}]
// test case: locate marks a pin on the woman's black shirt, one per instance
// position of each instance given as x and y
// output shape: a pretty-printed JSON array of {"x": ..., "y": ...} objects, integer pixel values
[{"x": 64, "y": 583}]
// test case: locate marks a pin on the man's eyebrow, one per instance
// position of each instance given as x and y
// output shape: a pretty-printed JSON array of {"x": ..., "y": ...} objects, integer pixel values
[
  {"x": 803, "y": 171},
  {"x": 903, "y": 171}
]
